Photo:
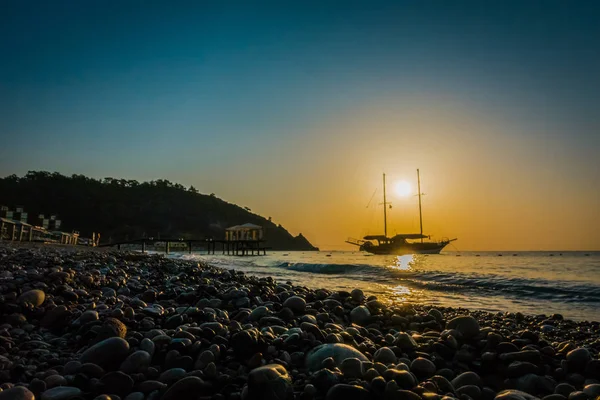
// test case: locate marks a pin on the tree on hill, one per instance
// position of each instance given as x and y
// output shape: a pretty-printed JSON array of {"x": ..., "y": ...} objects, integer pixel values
[{"x": 118, "y": 208}]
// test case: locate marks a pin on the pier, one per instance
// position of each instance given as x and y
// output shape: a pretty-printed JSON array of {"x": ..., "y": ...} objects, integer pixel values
[{"x": 211, "y": 246}]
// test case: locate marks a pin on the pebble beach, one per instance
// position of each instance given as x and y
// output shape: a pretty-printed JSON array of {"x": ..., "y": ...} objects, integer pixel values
[{"x": 86, "y": 324}]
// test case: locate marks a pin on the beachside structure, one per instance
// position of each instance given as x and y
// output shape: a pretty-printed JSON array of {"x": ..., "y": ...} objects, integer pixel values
[
  {"x": 14, "y": 228},
  {"x": 245, "y": 232}
]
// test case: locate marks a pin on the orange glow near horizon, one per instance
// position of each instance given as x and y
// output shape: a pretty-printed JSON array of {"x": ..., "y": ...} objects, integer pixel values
[{"x": 486, "y": 182}]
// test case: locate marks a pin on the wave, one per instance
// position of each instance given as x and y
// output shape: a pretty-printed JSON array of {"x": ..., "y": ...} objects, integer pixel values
[{"x": 474, "y": 283}]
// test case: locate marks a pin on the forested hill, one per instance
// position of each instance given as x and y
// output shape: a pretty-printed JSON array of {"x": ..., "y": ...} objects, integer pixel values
[{"x": 119, "y": 208}]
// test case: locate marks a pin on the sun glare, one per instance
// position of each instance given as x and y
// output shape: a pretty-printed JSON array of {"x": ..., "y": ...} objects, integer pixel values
[{"x": 402, "y": 188}]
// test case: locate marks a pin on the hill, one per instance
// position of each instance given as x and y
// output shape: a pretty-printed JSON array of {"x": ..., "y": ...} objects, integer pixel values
[{"x": 121, "y": 209}]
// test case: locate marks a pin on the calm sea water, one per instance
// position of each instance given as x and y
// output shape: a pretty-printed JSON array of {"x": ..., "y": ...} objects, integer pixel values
[{"x": 530, "y": 282}]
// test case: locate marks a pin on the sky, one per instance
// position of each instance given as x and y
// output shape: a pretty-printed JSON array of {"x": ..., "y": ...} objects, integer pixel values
[{"x": 296, "y": 109}]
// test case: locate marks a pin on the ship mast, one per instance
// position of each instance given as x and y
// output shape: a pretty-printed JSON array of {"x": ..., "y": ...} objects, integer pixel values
[
  {"x": 420, "y": 213},
  {"x": 384, "y": 210}
]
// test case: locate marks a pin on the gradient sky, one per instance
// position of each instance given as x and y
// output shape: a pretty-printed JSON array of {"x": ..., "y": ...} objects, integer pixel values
[{"x": 295, "y": 109}]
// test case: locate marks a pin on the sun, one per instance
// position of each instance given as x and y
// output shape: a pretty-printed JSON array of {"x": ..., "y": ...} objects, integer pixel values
[{"x": 402, "y": 188}]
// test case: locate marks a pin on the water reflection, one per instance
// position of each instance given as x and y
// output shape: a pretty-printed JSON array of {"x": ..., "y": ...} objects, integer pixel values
[
  {"x": 400, "y": 294},
  {"x": 404, "y": 263}
]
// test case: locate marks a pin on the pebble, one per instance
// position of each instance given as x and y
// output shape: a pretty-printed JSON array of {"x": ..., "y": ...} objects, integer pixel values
[
  {"x": 577, "y": 359},
  {"x": 296, "y": 304},
  {"x": 422, "y": 367},
  {"x": 61, "y": 393},
  {"x": 16, "y": 393},
  {"x": 182, "y": 388},
  {"x": 352, "y": 368},
  {"x": 465, "y": 324},
  {"x": 339, "y": 352},
  {"x": 592, "y": 390},
  {"x": 106, "y": 353},
  {"x": 117, "y": 382},
  {"x": 514, "y": 395},
  {"x": 270, "y": 382},
  {"x": 345, "y": 392},
  {"x": 138, "y": 361},
  {"x": 385, "y": 355},
  {"x": 360, "y": 315},
  {"x": 33, "y": 298},
  {"x": 467, "y": 378},
  {"x": 403, "y": 379}
]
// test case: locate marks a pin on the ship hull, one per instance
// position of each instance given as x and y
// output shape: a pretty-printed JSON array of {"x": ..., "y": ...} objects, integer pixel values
[{"x": 405, "y": 248}]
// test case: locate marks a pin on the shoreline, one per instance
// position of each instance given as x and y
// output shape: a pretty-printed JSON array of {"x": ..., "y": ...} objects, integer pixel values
[{"x": 80, "y": 323}]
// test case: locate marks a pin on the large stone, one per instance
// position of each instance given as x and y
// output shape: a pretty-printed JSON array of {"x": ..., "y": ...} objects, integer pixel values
[
  {"x": 296, "y": 304},
  {"x": 61, "y": 393},
  {"x": 117, "y": 383},
  {"x": 345, "y": 392},
  {"x": 467, "y": 378},
  {"x": 514, "y": 395},
  {"x": 357, "y": 295},
  {"x": 577, "y": 359},
  {"x": 564, "y": 389},
  {"x": 593, "y": 390},
  {"x": 184, "y": 387},
  {"x": 172, "y": 375},
  {"x": 405, "y": 341},
  {"x": 88, "y": 316},
  {"x": 465, "y": 324},
  {"x": 404, "y": 379},
  {"x": 325, "y": 378},
  {"x": 422, "y": 367},
  {"x": 437, "y": 314},
  {"x": 520, "y": 368},
  {"x": 136, "y": 362},
  {"x": 112, "y": 327},
  {"x": 360, "y": 315},
  {"x": 270, "y": 382},
  {"x": 352, "y": 368},
  {"x": 385, "y": 355},
  {"x": 33, "y": 298},
  {"x": 339, "y": 352},
  {"x": 472, "y": 391},
  {"x": 442, "y": 383},
  {"x": 16, "y": 393},
  {"x": 258, "y": 313},
  {"x": 107, "y": 353}
]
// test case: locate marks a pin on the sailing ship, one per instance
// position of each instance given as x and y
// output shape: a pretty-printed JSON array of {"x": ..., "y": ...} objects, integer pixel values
[{"x": 399, "y": 244}]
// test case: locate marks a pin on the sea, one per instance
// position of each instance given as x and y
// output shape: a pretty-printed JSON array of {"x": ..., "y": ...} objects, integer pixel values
[{"x": 533, "y": 283}]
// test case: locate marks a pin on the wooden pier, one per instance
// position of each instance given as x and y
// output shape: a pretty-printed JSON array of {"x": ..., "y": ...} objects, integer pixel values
[{"x": 211, "y": 246}]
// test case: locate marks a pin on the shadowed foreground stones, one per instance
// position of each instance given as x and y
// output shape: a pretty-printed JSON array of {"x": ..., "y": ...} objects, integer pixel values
[
  {"x": 123, "y": 326},
  {"x": 269, "y": 382},
  {"x": 339, "y": 352}
]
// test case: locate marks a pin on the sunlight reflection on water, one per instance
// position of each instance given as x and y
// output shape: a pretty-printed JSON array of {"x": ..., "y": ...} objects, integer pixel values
[{"x": 404, "y": 263}]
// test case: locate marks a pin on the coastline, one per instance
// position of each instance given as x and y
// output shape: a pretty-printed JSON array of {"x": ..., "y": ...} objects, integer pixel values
[{"x": 80, "y": 323}]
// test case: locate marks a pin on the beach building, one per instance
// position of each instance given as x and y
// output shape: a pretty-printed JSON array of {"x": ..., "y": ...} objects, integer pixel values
[
  {"x": 49, "y": 222},
  {"x": 65, "y": 237},
  {"x": 244, "y": 232},
  {"x": 14, "y": 227}
]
